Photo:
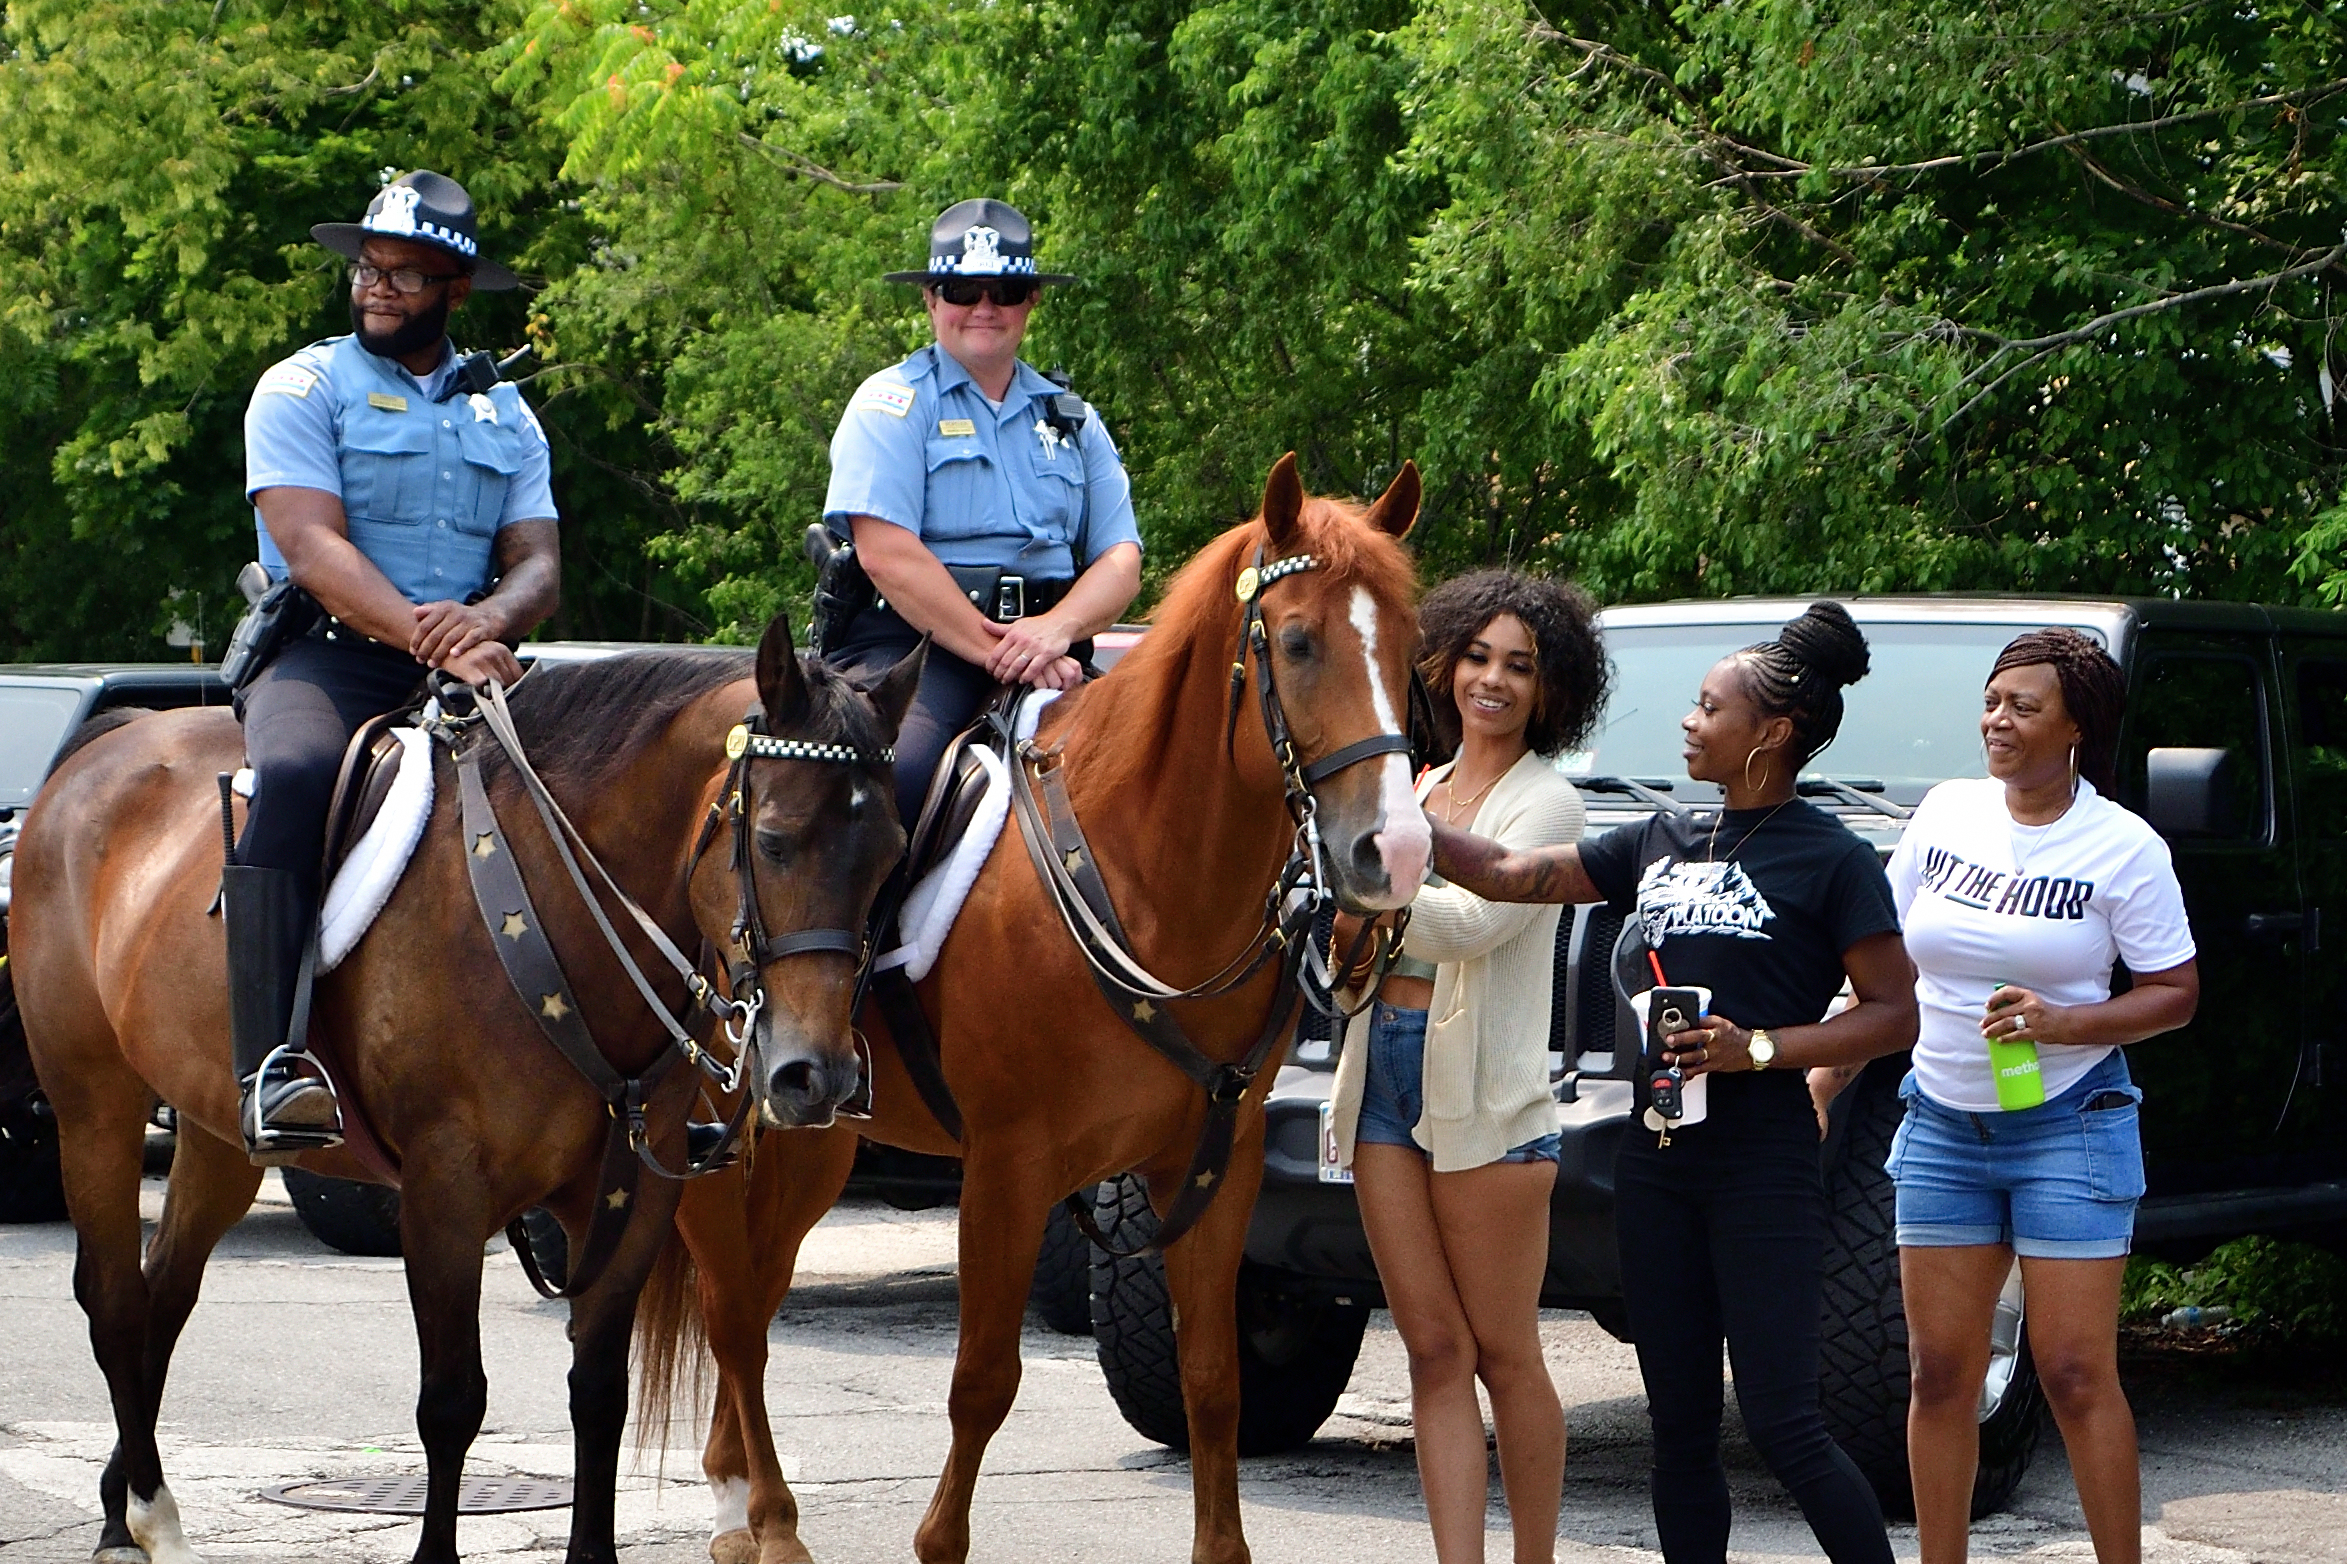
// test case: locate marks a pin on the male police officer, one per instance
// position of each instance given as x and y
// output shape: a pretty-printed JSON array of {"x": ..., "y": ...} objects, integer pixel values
[
  {"x": 959, "y": 461},
  {"x": 393, "y": 499}
]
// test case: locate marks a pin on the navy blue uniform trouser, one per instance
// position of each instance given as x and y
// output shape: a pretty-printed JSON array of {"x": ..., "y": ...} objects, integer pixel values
[
  {"x": 952, "y": 692},
  {"x": 299, "y": 714},
  {"x": 1722, "y": 1234}
]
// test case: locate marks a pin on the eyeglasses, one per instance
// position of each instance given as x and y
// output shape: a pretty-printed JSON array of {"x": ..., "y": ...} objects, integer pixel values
[
  {"x": 1009, "y": 292},
  {"x": 405, "y": 279}
]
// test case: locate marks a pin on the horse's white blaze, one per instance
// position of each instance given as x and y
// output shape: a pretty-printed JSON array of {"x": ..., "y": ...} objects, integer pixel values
[
  {"x": 154, "y": 1526},
  {"x": 1404, "y": 840},
  {"x": 733, "y": 1504}
]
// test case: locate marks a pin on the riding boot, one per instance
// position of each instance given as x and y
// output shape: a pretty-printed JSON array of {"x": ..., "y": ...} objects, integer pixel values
[{"x": 271, "y": 924}]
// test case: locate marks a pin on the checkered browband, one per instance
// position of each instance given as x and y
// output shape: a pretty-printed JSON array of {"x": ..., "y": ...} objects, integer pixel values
[{"x": 762, "y": 746}]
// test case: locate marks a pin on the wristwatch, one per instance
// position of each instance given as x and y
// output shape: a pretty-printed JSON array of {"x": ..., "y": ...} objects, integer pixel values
[{"x": 1764, "y": 1049}]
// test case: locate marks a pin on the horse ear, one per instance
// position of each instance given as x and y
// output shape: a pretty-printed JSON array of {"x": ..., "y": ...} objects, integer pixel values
[
  {"x": 891, "y": 694},
  {"x": 782, "y": 684},
  {"x": 1396, "y": 510},
  {"x": 1283, "y": 503}
]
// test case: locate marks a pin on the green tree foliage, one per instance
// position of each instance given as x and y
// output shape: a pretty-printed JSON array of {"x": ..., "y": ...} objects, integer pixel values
[
  {"x": 160, "y": 166},
  {"x": 1682, "y": 299}
]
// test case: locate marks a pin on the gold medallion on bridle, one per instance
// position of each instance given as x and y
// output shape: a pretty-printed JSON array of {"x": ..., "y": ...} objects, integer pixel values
[
  {"x": 737, "y": 742},
  {"x": 1250, "y": 582}
]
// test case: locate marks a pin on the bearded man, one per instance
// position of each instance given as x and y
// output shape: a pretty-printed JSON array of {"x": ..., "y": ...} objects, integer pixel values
[{"x": 417, "y": 512}]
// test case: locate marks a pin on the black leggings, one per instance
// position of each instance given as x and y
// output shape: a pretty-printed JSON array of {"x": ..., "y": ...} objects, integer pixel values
[
  {"x": 1722, "y": 1233},
  {"x": 950, "y": 695},
  {"x": 299, "y": 714}
]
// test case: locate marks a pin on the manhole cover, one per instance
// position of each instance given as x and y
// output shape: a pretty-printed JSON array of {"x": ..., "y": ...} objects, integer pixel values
[{"x": 405, "y": 1495}]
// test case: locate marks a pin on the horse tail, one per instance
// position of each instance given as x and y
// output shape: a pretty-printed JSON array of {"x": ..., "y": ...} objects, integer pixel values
[
  {"x": 670, "y": 1334},
  {"x": 98, "y": 727}
]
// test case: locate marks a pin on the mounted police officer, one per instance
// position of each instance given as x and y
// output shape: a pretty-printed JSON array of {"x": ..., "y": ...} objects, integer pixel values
[
  {"x": 413, "y": 505},
  {"x": 987, "y": 505}
]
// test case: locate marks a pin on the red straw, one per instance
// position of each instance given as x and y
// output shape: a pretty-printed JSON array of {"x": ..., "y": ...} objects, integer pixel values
[{"x": 1655, "y": 962}]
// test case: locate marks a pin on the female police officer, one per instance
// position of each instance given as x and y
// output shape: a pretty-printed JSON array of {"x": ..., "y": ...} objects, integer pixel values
[{"x": 985, "y": 516}]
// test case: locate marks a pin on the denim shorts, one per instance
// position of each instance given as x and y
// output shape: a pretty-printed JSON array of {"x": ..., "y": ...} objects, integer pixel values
[
  {"x": 2056, "y": 1182},
  {"x": 1393, "y": 1087}
]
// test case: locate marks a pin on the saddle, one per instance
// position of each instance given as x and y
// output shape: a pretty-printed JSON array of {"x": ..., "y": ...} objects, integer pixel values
[
  {"x": 956, "y": 787},
  {"x": 369, "y": 763}
]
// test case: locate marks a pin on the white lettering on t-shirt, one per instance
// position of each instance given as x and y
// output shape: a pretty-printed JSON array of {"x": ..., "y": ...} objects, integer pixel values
[{"x": 1700, "y": 898}]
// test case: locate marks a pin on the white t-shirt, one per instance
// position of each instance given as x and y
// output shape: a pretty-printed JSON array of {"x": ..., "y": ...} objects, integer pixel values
[{"x": 1985, "y": 900}]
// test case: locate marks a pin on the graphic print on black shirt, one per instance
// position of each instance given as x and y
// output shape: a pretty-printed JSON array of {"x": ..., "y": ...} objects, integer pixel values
[
  {"x": 1763, "y": 929},
  {"x": 1700, "y": 898}
]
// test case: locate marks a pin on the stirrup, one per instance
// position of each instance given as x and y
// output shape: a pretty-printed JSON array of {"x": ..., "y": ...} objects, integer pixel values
[{"x": 269, "y": 1145}]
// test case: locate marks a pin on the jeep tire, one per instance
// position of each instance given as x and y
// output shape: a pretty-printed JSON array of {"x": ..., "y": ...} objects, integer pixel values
[
  {"x": 1061, "y": 1293},
  {"x": 1295, "y": 1354},
  {"x": 1862, "y": 1380},
  {"x": 344, "y": 1214}
]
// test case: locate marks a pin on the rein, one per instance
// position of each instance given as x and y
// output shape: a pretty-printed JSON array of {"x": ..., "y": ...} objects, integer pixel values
[
  {"x": 1067, "y": 866},
  {"x": 536, "y": 973}
]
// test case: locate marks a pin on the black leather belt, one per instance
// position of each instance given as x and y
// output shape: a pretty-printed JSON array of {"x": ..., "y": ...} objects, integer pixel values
[{"x": 1001, "y": 595}]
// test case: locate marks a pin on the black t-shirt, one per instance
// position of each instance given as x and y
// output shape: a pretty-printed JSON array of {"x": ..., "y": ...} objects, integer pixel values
[{"x": 1764, "y": 926}]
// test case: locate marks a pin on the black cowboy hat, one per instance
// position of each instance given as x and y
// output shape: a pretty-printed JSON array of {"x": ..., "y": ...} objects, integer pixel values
[
  {"x": 980, "y": 238},
  {"x": 423, "y": 208}
]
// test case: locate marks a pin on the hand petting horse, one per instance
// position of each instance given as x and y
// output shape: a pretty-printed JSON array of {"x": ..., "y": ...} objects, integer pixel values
[
  {"x": 1193, "y": 791},
  {"x": 761, "y": 844}
]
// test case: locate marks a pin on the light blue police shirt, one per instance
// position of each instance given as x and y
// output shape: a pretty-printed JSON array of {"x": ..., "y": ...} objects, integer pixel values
[
  {"x": 425, "y": 484},
  {"x": 981, "y": 486}
]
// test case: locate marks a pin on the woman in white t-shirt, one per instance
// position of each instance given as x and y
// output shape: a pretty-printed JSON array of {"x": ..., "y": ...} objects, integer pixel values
[{"x": 2017, "y": 892}]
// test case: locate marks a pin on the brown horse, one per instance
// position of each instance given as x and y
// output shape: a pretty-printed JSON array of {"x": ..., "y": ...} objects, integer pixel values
[
  {"x": 1055, "y": 1090},
  {"x": 121, "y": 975}
]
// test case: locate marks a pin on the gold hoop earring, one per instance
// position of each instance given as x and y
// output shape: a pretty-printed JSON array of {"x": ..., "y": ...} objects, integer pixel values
[
  {"x": 1749, "y": 784},
  {"x": 2073, "y": 771}
]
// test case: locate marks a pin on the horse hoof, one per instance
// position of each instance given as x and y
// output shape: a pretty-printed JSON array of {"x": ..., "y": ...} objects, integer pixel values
[
  {"x": 786, "y": 1550},
  {"x": 119, "y": 1556},
  {"x": 733, "y": 1547}
]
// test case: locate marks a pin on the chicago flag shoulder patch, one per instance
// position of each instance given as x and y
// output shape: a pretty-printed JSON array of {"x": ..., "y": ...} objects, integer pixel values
[
  {"x": 287, "y": 379},
  {"x": 883, "y": 396}
]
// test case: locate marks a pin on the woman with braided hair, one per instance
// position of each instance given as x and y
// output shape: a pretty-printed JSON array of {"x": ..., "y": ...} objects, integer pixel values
[
  {"x": 1769, "y": 903},
  {"x": 2019, "y": 891}
]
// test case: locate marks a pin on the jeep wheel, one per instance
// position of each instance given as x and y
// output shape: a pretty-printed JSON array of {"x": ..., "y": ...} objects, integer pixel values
[
  {"x": 1295, "y": 1355},
  {"x": 1863, "y": 1365},
  {"x": 32, "y": 1183},
  {"x": 1061, "y": 1293},
  {"x": 344, "y": 1214}
]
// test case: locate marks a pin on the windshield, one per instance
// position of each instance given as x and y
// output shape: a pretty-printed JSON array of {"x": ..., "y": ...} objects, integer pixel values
[
  {"x": 33, "y": 720},
  {"x": 1913, "y": 721}
]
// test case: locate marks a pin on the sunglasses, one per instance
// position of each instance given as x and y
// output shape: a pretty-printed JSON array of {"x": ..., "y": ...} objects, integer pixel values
[
  {"x": 405, "y": 279},
  {"x": 1009, "y": 292}
]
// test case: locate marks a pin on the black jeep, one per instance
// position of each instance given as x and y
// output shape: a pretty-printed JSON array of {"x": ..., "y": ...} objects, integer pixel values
[
  {"x": 2234, "y": 746},
  {"x": 41, "y": 704}
]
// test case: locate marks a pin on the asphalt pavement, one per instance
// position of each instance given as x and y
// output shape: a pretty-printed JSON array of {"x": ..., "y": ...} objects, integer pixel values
[{"x": 300, "y": 1364}]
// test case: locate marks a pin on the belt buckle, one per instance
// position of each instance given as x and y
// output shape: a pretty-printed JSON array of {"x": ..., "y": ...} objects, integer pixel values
[{"x": 1010, "y": 598}]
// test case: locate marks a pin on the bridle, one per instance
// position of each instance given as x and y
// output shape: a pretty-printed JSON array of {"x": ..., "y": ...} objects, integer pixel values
[
  {"x": 1064, "y": 861},
  {"x": 519, "y": 937}
]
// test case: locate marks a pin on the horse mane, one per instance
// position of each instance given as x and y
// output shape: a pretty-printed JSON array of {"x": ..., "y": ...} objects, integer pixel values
[
  {"x": 1199, "y": 617},
  {"x": 582, "y": 721},
  {"x": 97, "y": 727}
]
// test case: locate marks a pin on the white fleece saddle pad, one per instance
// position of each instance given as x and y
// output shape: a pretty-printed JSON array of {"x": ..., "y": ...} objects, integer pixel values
[
  {"x": 377, "y": 859},
  {"x": 931, "y": 906}
]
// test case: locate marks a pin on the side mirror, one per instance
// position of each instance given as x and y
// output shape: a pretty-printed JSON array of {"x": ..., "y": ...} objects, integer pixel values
[{"x": 2189, "y": 792}]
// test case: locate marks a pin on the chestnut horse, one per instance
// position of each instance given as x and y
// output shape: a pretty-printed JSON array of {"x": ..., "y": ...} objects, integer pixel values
[
  {"x": 1055, "y": 1090},
  {"x": 121, "y": 974}
]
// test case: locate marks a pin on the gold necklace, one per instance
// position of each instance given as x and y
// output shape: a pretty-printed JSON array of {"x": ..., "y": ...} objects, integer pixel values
[
  {"x": 1450, "y": 814},
  {"x": 1711, "y": 852}
]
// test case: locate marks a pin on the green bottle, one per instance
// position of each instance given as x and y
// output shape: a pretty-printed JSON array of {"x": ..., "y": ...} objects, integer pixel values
[{"x": 2020, "y": 1084}]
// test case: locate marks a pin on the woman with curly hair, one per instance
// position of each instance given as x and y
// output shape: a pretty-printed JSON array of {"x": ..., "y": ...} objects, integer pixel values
[{"x": 1442, "y": 1103}]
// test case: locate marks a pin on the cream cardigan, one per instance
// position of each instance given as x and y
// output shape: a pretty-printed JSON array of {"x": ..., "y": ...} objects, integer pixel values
[{"x": 1486, "y": 1076}]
